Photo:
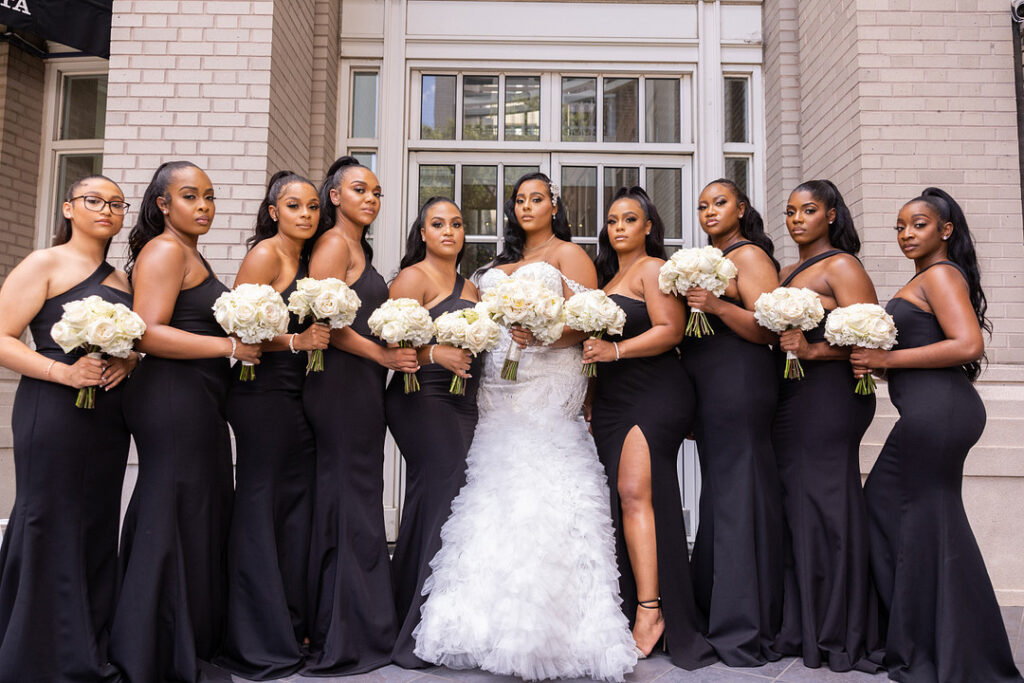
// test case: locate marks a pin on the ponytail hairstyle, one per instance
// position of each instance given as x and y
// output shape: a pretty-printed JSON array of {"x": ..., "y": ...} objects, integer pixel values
[
  {"x": 63, "y": 234},
  {"x": 841, "y": 232},
  {"x": 415, "y": 247},
  {"x": 515, "y": 237},
  {"x": 960, "y": 249},
  {"x": 328, "y": 211},
  {"x": 265, "y": 225},
  {"x": 751, "y": 223},
  {"x": 150, "y": 222},
  {"x": 607, "y": 261}
]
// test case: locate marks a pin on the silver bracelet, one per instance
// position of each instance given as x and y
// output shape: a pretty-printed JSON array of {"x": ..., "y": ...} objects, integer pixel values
[
  {"x": 291, "y": 343},
  {"x": 431, "y": 354},
  {"x": 616, "y": 345},
  {"x": 234, "y": 347}
]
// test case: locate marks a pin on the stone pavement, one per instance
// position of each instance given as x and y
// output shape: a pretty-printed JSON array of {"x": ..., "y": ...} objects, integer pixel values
[{"x": 657, "y": 667}]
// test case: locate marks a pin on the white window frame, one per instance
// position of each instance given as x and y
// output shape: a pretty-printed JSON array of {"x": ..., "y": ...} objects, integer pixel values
[
  {"x": 346, "y": 83},
  {"x": 753, "y": 149}
]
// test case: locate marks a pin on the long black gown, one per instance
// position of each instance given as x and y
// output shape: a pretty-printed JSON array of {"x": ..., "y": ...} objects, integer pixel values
[
  {"x": 58, "y": 562},
  {"x": 353, "y": 623},
  {"x": 433, "y": 429},
  {"x": 656, "y": 395},
  {"x": 268, "y": 549},
  {"x": 943, "y": 621},
  {"x": 818, "y": 427},
  {"x": 171, "y": 609},
  {"x": 737, "y": 556}
]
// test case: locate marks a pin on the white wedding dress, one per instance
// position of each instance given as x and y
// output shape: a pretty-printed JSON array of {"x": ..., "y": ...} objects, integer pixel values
[{"x": 526, "y": 582}]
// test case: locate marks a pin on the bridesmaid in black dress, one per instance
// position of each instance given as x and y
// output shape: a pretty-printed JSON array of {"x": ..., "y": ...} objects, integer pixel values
[
  {"x": 818, "y": 428},
  {"x": 268, "y": 546},
  {"x": 353, "y": 625},
  {"x": 737, "y": 556},
  {"x": 643, "y": 405},
  {"x": 432, "y": 427},
  {"x": 942, "y": 620},
  {"x": 58, "y": 562},
  {"x": 171, "y": 608}
]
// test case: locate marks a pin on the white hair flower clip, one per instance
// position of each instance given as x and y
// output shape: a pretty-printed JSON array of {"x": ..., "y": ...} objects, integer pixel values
[{"x": 555, "y": 192}]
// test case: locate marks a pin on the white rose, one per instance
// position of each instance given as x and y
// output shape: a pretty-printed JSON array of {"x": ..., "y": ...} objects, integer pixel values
[
  {"x": 325, "y": 305},
  {"x": 274, "y": 315},
  {"x": 67, "y": 337},
  {"x": 101, "y": 332}
]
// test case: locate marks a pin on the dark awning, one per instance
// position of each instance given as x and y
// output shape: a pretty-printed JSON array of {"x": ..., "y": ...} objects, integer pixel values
[{"x": 82, "y": 24}]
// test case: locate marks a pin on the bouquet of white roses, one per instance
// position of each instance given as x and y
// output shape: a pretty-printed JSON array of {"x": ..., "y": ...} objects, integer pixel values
[
  {"x": 789, "y": 308},
  {"x": 406, "y": 323},
  {"x": 98, "y": 326},
  {"x": 253, "y": 313},
  {"x": 594, "y": 312},
  {"x": 703, "y": 267},
  {"x": 528, "y": 304},
  {"x": 467, "y": 328},
  {"x": 864, "y": 325},
  {"x": 329, "y": 302}
]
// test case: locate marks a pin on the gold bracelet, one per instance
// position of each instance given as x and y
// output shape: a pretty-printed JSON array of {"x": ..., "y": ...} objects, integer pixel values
[{"x": 49, "y": 367}]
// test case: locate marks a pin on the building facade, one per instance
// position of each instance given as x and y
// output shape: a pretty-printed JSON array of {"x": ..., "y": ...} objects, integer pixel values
[{"x": 460, "y": 97}]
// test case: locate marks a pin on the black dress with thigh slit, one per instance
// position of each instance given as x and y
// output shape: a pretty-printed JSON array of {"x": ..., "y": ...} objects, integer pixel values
[
  {"x": 737, "y": 556},
  {"x": 433, "y": 429},
  {"x": 353, "y": 623},
  {"x": 656, "y": 395},
  {"x": 58, "y": 562}
]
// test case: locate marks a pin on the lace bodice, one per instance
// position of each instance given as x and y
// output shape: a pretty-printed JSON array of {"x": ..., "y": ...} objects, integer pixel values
[{"x": 550, "y": 382}]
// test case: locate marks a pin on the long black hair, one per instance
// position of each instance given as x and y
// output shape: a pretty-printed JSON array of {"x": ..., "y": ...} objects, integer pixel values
[
  {"x": 607, "y": 262},
  {"x": 415, "y": 247},
  {"x": 63, "y": 234},
  {"x": 150, "y": 222},
  {"x": 515, "y": 237},
  {"x": 266, "y": 226},
  {"x": 960, "y": 250},
  {"x": 751, "y": 223},
  {"x": 328, "y": 211},
  {"x": 841, "y": 232}
]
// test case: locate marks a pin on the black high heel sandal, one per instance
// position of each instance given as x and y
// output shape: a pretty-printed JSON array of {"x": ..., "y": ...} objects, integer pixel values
[{"x": 654, "y": 603}]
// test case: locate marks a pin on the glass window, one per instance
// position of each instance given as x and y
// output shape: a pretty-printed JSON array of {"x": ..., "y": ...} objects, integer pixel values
[
  {"x": 579, "y": 109},
  {"x": 436, "y": 181},
  {"x": 662, "y": 95},
  {"x": 479, "y": 200},
  {"x": 364, "y": 104},
  {"x": 84, "y": 107},
  {"x": 437, "y": 108},
  {"x": 514, "y": 173},
  {"x": 579, "y": 192},
  {"x": 71, "y": 167},
  {"x": 480, "y": 108},
  {"x": 366, "y": 158},
  {"x": 614, "y": 178},
  {"x": 664, "y": 186},
  {"x": 737, "y": 169},
  {"x": 736, "y": 128},
  {"x": 477, "y": 255},
  {"x": 620, "y": 109},
  {"x": 522, "y": 108}
]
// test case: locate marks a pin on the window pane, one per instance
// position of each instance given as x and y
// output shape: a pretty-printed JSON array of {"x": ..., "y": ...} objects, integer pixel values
[
  {"x": 736, "y": 110},
  {"x": 579, "y": 109},
  {"x": 71, "y": 167},
  {"x": 620, "y": 109},
  {"x": 84, "y": 108},
  {"x": 614, "y": 178},
  {"x": 514, "y": 173},
  {"x": 479, "y": 203},
  {"x": 522, "y": 108},
  {"x": 436, "y": 181},
  {"x": 579, "y": 195},
  {"x": 737, "y": 169},
  {"x": 364, "y": 105},
  {"x": 662, "y": 96},
  {"x": 367, "y": 159},
  {"x": 664, "y": 185},
  {"x": 437, "y": 108},
  {"x": 477, "y": 255},
  {"x": 480, "y": 108}
]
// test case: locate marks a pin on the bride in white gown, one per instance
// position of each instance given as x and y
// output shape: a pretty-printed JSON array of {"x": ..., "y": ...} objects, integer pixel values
[{"x": 526, "y": 582}]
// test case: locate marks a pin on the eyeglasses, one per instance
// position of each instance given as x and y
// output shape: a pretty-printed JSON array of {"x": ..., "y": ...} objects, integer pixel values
[{"x": 94, "y": 203}]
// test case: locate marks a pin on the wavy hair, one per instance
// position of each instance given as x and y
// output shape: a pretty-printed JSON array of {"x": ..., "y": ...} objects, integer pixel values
[
  {"x": 515, "y": 237},
  {"x": 415, "y": 247},
  {"x": 607, "y": 262},
  {"x": 63, "y": 234},
  {"x": 328, "y": 211},
  {"x": 842, "y": 234},
  {"x": 150, "y": 222},
  {"x": 266, "y": 226},
  {"x": 751, "y": 223}
]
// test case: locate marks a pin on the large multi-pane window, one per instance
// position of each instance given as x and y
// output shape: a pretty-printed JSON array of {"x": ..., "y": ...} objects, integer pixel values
[{"x": 739, "y": 137}]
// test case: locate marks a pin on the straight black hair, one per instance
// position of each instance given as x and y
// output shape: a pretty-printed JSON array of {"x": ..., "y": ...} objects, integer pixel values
[
  {"x": 63, "y": 234},
  {"x": 841, "y": 232},
  {"x": 266, "y": 226},
  {"x": 151, "y": 219},
  {"x": 328, "y": 211},
  {"x": 607, "y": 262},
  {"x": 751, "y": 223},
  {"x": 415, "y": 247}
]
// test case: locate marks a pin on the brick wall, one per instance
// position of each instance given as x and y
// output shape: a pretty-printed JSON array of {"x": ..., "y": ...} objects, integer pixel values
[
  {"x": 324, "y": 104},
  {"x": 291, "y": 96}
]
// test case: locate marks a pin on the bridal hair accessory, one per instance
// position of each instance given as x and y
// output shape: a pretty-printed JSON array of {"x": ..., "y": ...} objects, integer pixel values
[{"x": 556, "y": 192}]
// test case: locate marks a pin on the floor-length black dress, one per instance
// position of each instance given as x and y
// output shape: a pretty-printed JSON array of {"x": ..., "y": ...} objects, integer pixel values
[
  {"x": 818, "y": 427},
  {"x": 171, "y": 609},
  {"x": 433, "y": 429},
  {"x": 58, "y": 562},
  {"x": 942, "y": 619},
  {"x": 268, "y": 548},
  {"x": 353, "y": 623},
  {"x": 656, "y": 395},
  {"x": 737, "y": 556}
]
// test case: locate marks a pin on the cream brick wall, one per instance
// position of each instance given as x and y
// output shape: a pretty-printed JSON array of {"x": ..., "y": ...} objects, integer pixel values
[
  {"x": 291, "y": 95},
  {"x": 324, "y": 105}
]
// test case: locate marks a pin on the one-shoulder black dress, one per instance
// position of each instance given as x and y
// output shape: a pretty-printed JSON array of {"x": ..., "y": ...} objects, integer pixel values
[
  {"x": 941, "y": 616},
  {"x": 656, "y": 395},
  {"x": 58, "y": 562},
  {"x": 737, "y": 556},
  {"x": 171, "y": 609},
  {"x": 818, "y": 427},
  {"x": 353, "y": 623},
  {"x": 268, "y": 549},
  {"x": 433, "y": 429}
]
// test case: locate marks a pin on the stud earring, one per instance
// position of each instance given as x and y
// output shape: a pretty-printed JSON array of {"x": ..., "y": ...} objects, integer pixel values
[{"x": 945, "y": 237}]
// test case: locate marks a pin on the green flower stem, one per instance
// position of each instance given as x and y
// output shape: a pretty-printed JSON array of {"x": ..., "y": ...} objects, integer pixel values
[{"x": 698, "y": 325}]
